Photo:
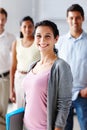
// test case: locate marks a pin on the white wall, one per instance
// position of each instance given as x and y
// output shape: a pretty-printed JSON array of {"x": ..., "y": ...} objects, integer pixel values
[
  {"x": 16, "y": 9},
  {"x": 54, "y": 10},
  {"x": 57, "y": 8}
]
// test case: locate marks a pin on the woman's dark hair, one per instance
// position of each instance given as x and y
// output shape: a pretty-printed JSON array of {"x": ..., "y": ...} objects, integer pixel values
[
  {"x": 27, "y": 18},
  {"x": 50, "y": 24},
  {"x": 76, "y": 7}
]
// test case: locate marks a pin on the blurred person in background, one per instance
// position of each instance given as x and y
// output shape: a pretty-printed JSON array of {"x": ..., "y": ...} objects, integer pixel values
[
  {"x": 72, "y": 47},
  {"x": 24, "y": 52},
  {"x": 6, "y": 40}
]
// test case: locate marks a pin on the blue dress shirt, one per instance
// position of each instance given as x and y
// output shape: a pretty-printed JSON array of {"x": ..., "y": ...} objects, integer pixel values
[{"x": 74, "y": 52}]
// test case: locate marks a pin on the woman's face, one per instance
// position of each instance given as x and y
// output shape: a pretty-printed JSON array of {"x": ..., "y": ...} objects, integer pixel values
[
  {"x": 27, "y": 28},
  {"x": 44, "y": 38}
]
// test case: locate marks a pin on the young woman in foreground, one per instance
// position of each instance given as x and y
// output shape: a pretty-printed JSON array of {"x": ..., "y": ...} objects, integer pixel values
[{"x": 48, "y": 84}]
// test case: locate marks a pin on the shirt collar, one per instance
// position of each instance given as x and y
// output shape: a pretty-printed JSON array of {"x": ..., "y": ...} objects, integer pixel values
[
  {"x": 3, "y": 34},
  {"x": 80, "y": 37}
]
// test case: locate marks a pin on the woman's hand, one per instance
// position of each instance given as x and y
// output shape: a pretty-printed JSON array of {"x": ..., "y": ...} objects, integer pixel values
[{"x": 13, "y": 96}]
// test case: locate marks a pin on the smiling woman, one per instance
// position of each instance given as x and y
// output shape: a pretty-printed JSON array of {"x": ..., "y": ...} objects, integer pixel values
[
  {"x": 48, "y": 84},
  {"x": 45, "y": 38}
]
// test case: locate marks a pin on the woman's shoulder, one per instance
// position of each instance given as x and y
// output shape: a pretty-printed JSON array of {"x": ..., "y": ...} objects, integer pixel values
[
  {"x": 62, "y": 67},
  {"x": 60, "y": 61},
  {"x": 18, "y": 42},
  {"x": 18, "y": 39},
  {"x": 61, "y": 64}
]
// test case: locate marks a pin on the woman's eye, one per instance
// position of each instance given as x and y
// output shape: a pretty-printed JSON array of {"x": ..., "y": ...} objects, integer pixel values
[
  {"x": 24, "y": 26},
  {"x": 38, "y": 36}
]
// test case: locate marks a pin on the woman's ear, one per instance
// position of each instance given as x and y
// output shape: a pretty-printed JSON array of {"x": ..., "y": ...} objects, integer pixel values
[{"x": 56, "y": 39}]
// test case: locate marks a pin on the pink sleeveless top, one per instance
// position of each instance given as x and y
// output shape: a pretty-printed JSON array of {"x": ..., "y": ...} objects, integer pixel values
[{"x": 35, "y": 86}]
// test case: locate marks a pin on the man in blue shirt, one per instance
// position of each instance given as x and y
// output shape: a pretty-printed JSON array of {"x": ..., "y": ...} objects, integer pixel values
[{"x": 72, "y": 47}]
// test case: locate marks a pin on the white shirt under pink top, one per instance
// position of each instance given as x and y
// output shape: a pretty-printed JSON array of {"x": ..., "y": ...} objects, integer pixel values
[{"x": 35, "y": 86}]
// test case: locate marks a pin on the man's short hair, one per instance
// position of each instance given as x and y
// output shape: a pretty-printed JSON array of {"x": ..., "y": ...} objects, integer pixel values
[
  {"x": 76, "y": 7},
  {"x": 3, "y": 11}
]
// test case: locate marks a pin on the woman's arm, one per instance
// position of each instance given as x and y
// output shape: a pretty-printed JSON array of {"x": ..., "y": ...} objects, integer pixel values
[
  {"x": 12, "y": 72},
  {"x": 64, "y": 95}
]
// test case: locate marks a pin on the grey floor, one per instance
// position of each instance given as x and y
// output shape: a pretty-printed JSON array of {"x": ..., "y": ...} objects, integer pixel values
[{"x": 12, "y": 107}]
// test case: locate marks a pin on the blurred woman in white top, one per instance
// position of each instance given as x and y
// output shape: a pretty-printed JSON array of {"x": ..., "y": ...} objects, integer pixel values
[{"x": 24, "y": 52}]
